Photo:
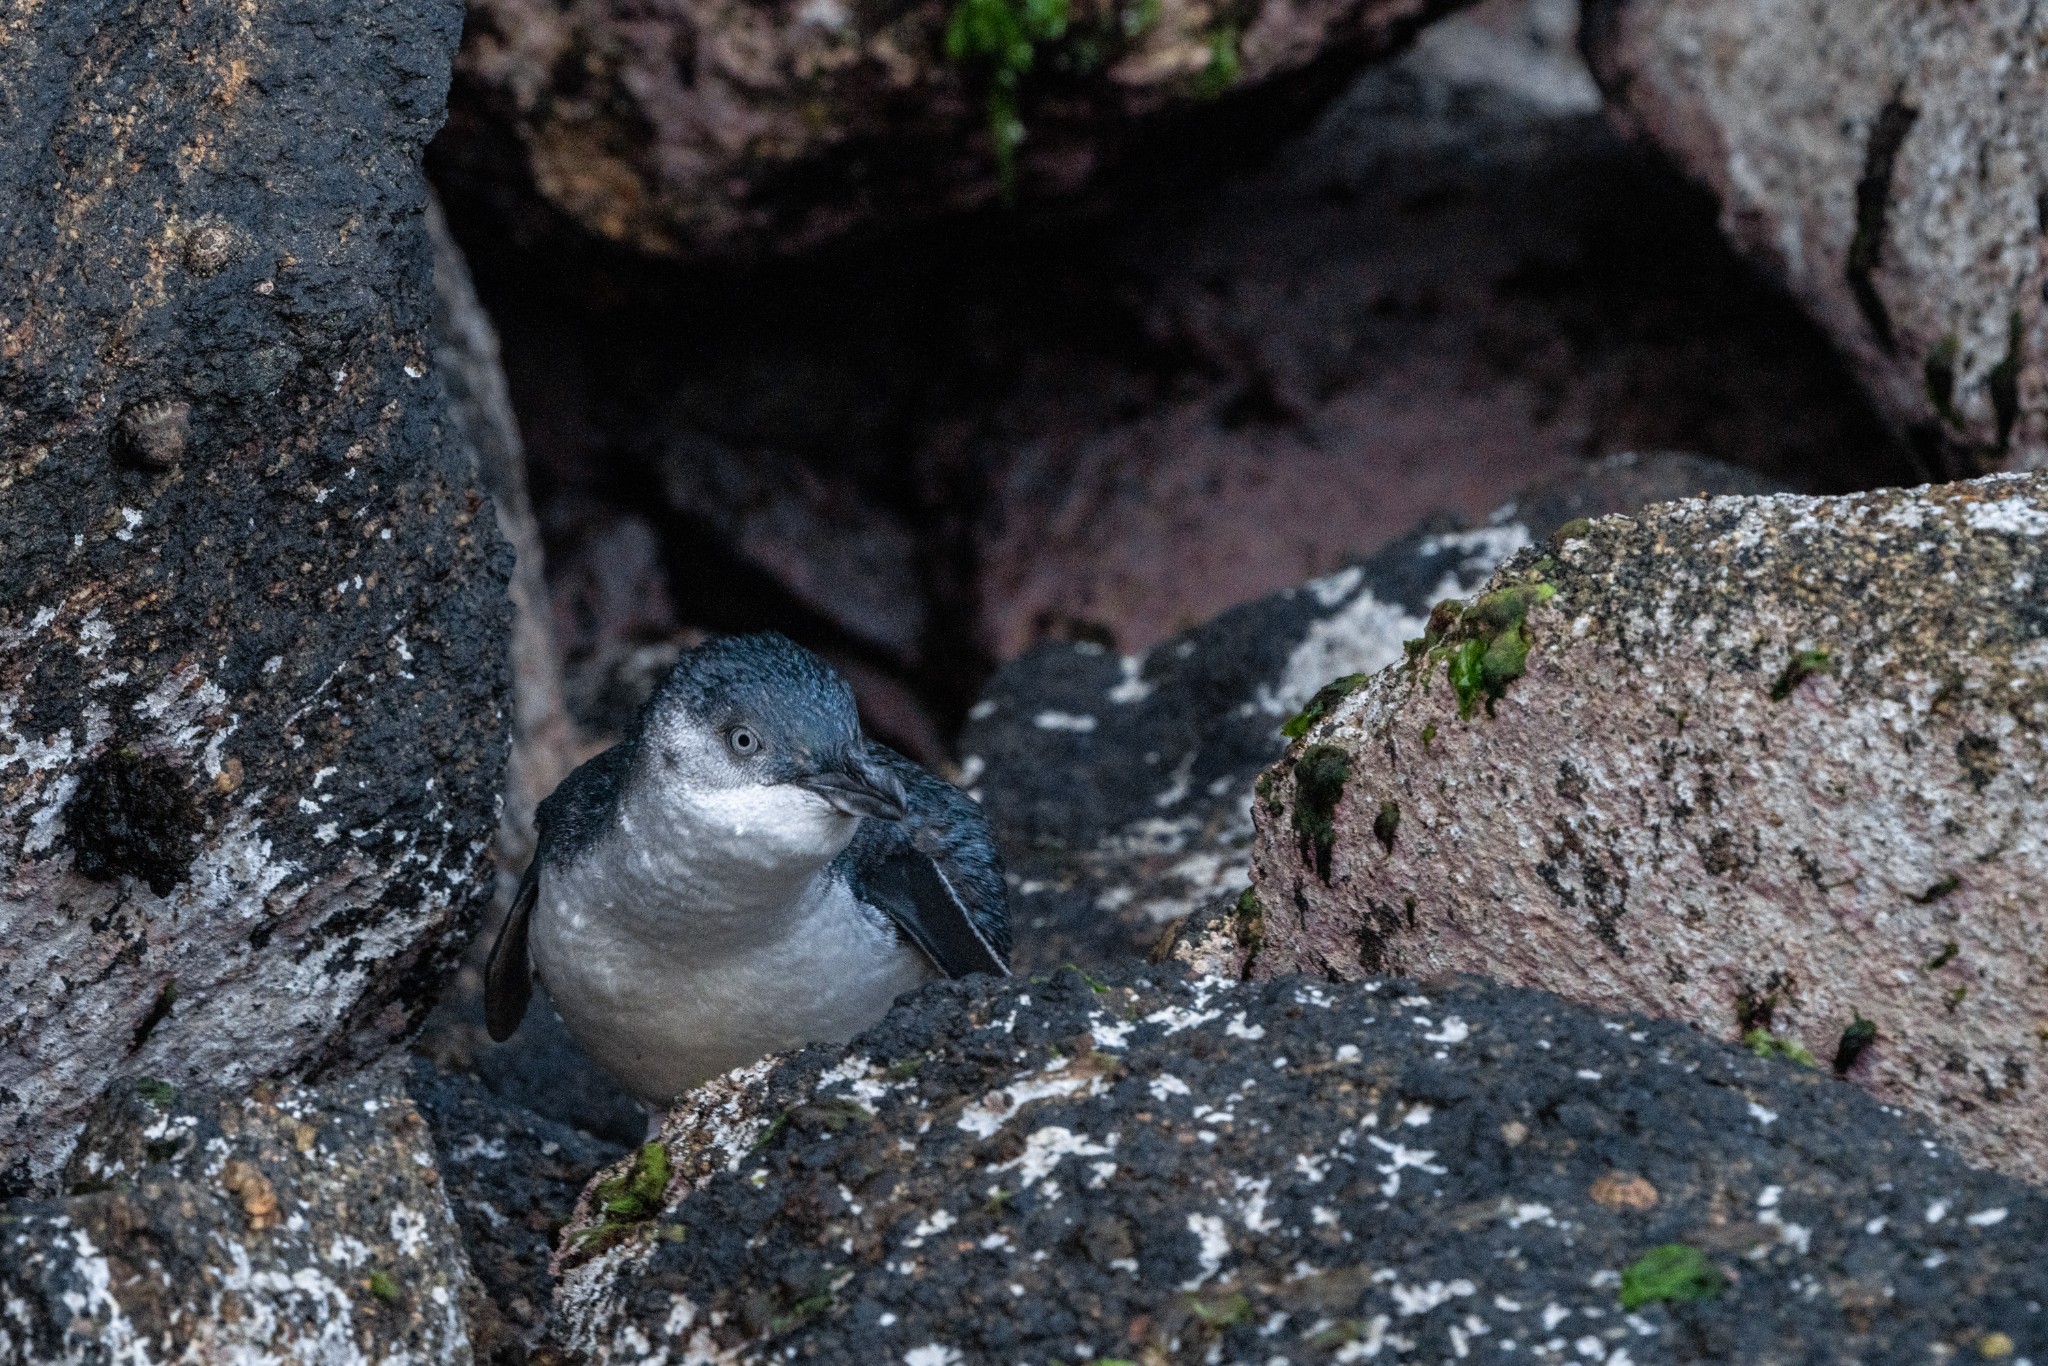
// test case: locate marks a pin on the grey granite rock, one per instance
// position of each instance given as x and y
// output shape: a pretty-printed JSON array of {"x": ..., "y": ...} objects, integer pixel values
[
  {"x": 1771, "y": 765},
  {"x": 293, "y": 1224},
  {"x": 1150, "y": 1169},
  {"x": 1884, "y": 163},
  {"x": 1121, "y": 787},
  {"x": 252, "y": 606}
]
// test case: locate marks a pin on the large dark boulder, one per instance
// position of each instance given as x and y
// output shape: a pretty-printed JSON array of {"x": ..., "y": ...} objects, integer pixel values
[
  {"x": 1149, "y": 1168},
  {"x": 252, "y": 607},
  {"x": 714, "y": 129}
]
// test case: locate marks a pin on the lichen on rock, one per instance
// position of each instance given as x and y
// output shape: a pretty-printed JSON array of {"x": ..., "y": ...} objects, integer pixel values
[{"x": 290, "y": 1224}]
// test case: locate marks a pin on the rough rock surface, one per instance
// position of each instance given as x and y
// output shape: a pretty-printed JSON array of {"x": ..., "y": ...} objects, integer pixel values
[
  {"x": 511, "y": 1178},
  {"x": 252, "y": 610},
  {"x": 1884, "y": 161},
  {"x": 1164, "y": 1170},
  {"x": 1775, "y": 767},
  {"x": 1121, "y": 787},
  {"x": 292, "y": 1224},
  {"x": 717, "y": 129}
]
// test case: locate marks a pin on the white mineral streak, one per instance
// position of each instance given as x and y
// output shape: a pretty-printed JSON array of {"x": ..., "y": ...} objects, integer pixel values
[
  {"x": 1642, "y": 826},
  {"x": 232, "y": 1024}
]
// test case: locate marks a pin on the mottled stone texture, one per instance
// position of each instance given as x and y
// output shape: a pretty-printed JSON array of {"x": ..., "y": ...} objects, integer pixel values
[
  {"x": 722, "y": 128},
  {"x": 252, "y": 610},
  {"x": 1148, "y": 1169},
  {"x": 1884, "y": 161},
  {"x": 293, "y": 1224},
  {"x": 1776, "y": 765}
]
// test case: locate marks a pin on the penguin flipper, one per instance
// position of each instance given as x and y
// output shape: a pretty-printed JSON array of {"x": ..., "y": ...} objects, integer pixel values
[
  {"x": 936, "y": 874},
  {"x": 508, "y": 975},
  {"x": 912, "y": 889}
]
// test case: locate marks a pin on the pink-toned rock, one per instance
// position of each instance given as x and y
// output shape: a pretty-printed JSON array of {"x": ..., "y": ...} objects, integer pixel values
[
  {"x": 1775, "y": 764},
  {"x": 716, "y": 128},
  {"x": 1884, "y": 162}
]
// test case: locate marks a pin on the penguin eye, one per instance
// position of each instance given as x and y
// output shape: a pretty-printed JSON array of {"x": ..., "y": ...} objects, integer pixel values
[{"x": 743, "y": 742}]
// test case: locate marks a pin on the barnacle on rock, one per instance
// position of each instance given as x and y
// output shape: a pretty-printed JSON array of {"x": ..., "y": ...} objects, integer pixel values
[
  {"x": 209, "y": 246},
  {"x": 153, "y": 435}
]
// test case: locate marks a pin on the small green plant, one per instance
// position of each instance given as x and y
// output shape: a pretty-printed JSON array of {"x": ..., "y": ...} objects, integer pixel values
[
  {"x": 1949, "y": 949},
  {"x": 1098, "y": 988},
  {"x": 1765, "y": 1044},
  {"x": 1673, "y": 1273},
  {"x": 1484, "y": 643},
  {"x": 1003, "y": 35},
  {"x": 1222, "y": 71},
  {"x": 385, "y": 1288},
  {"x": 1221, "y": 1311},
  {"x": 801, "y": 1310},
  {"x": 161, "y": 1094}
]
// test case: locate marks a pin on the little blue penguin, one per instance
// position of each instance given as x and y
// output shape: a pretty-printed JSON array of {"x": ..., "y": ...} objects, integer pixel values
[{"x": 743, "y": 873}]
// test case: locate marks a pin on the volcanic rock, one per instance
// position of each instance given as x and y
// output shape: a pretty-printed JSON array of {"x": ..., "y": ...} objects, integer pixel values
[
  {"x": 289, "y": 1224},
  {"x": 1145, "y": 1168},
  {"x": 1121, "y": 787},
  {"x": 251, "y": 680},
  {"x": 712, "y": 129}
]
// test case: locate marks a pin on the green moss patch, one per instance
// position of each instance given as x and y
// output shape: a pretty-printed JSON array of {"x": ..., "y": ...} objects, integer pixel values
[
  {"x": 1765, "y": 1044},
  {"x": 1248, "y": 923},
  {"x": 1860, "y": 1034},
  {"x": 1484, "y": 644},
  {"x": 1387, "y": 824},
  {"x": 1322, "y": 704},
  {"x": 1671, "y": 1274},
  {"x": 629, "y": 1199},
  {"x": 1319, "y": 778}
]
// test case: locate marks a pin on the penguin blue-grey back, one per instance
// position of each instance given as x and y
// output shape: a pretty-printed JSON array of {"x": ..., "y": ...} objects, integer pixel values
[{"x": 744, "y": 872}]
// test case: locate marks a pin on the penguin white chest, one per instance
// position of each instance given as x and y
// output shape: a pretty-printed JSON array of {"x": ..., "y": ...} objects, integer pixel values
[{"x": 667, "y": 998}]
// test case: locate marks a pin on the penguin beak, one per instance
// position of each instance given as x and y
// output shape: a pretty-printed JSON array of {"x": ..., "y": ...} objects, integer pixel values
[{"x": 860, "y": 788}]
